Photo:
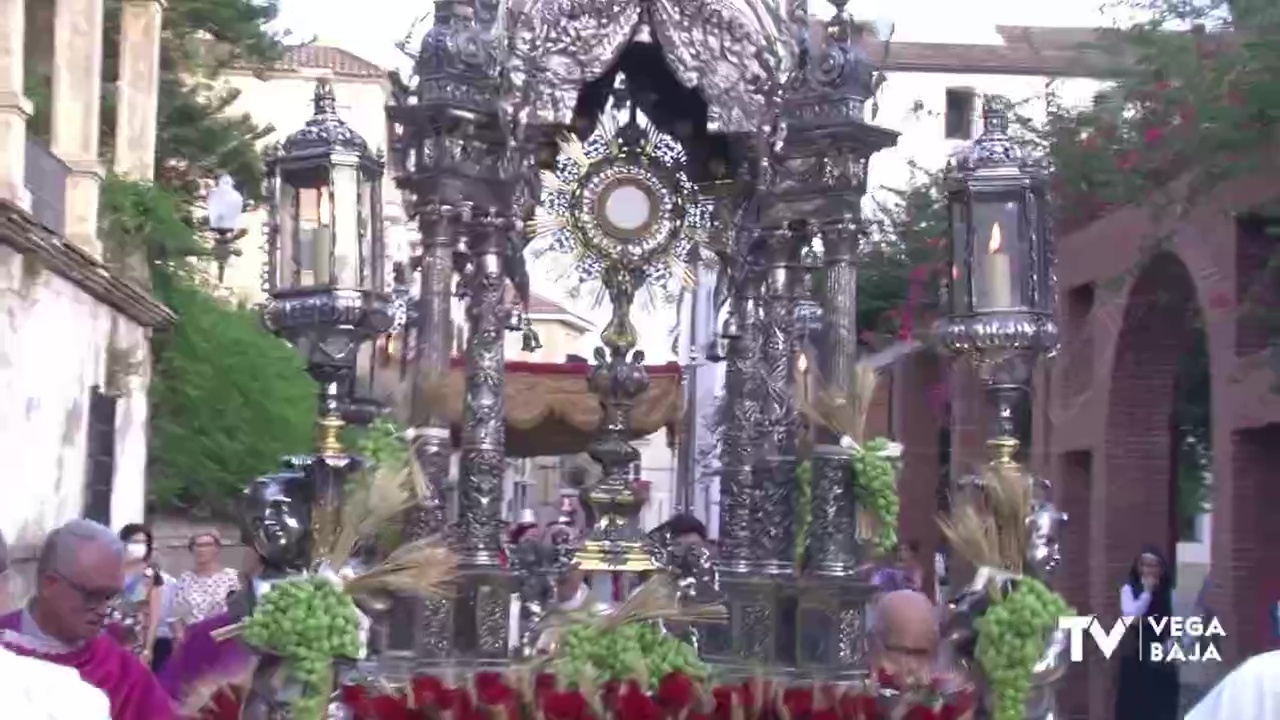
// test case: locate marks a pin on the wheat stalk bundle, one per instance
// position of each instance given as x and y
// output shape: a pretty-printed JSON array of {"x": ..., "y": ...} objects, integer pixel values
[
  {"x": 425, "y": 568},
  {"x": 843, "y": 412},
  {"x": 987, "y": 526}
]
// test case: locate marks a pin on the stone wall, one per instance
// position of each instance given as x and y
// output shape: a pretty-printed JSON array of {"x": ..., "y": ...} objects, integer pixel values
[{"x": 56, "y": 343}]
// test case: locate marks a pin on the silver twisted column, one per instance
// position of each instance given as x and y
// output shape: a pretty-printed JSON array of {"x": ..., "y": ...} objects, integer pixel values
[
  {"x": 775, "y": 471},
  {"x": 832, "y": 543}
]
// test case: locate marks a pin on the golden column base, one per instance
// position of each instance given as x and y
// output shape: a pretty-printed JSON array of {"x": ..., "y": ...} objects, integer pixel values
[
  {"x": 329, "y": 430},
  {"x": 606, "y": 556},
  {"x": 614, "y": 543}
]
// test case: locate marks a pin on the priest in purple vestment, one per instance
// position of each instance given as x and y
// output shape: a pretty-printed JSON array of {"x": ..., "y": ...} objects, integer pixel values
[{"x": 80, "y": 571}]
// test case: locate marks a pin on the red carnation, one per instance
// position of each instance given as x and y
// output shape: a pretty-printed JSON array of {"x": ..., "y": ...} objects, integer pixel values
[
  {"x": 1153, "y": 135},
  {"x": 567, "y": 705},
  {"x": 824, "y": 714},
  {"x": 886, "y": 680},
  {"x": 675, "y": 692},
  {"x": 635, "y": 704}
]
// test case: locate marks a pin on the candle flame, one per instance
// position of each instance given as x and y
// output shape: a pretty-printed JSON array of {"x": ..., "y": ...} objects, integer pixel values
[
  {"x": 802, "y": 364},
  {"x": 996, "y": 241},
  {"x": 955, "y": 272}
]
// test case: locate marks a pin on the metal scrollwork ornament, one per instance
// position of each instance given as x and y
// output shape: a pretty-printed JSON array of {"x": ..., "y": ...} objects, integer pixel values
[{"x": 539, "y": 563}]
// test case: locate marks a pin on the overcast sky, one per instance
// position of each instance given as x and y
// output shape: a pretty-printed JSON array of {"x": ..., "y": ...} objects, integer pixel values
[{"x": 370, "y": 28}]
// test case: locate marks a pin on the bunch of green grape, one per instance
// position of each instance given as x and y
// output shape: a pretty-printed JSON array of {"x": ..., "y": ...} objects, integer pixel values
[
  {"x": 804, "y": 512},
  {"x": 634, "y": 651},
  {"x": 876, "y": 489},
  {"x": 307, "y": 622},
  {"x": 1011, "y": 640}
]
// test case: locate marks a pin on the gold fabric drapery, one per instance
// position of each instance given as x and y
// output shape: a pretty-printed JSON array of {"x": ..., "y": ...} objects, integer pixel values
[{"x": 550, "y": 410}]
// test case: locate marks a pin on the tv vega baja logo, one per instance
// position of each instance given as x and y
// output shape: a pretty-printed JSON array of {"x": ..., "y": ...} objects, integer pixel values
[{"x": 1189, "y": 639}]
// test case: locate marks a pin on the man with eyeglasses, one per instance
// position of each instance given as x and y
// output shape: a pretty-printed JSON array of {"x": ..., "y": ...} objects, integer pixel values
[
  {"x": 79, "y": 573},
  {"x": 905, "y": 643}
]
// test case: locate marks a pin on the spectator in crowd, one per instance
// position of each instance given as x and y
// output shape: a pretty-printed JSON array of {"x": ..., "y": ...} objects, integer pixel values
[
  {"x": 1147, "y": 689},
  {"x": 79, "y": 573},
  {"x": 203, "y": 592},
  {"x": 136, "y": 613},
  {"x": 909, "y": 564},
  {"x": 166, "y": 632}
]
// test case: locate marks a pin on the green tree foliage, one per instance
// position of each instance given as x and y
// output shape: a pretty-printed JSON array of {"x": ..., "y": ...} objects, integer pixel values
[
  {"x": 228, "y": 399},
  {"x": 198, "y": 137}
]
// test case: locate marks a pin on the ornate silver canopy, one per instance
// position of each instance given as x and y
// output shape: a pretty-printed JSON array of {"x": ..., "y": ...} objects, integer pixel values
[{"x": 737, "y": 53}]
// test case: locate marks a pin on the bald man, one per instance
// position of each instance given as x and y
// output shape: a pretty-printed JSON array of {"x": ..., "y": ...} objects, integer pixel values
[
  {"x": 36, "y": 690},
  {"x": 905, "y": 635},
  {"x": 79, "y": 573}
]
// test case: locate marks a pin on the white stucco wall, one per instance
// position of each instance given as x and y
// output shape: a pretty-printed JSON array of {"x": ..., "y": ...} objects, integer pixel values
[
  {"x": 53, "y": 349},
  {"x": 914, "y": 105}
]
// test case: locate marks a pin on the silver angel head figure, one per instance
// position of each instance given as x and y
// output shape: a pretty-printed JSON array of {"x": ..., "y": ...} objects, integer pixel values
[
  {"x": 277, "y": 521},
  {"x": 1044, "y": 526}
]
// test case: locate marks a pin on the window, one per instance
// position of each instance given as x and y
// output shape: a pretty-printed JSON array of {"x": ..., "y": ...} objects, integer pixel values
[
  {"x": 960, "y": 111},
  {"x": 100, "y": 450}
]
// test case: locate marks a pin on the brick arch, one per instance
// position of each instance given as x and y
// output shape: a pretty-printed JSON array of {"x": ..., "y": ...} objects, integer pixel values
[{"x": 1134, "y": 504}]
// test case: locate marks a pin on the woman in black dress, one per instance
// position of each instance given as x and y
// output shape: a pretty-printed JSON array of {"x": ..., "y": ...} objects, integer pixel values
[{"x": 1148, "y": 690}]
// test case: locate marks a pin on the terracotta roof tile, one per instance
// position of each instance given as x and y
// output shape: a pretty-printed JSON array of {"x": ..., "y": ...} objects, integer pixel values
[
  {"x": 543, "y": 305},
  {"x": 341, "y": 63}
]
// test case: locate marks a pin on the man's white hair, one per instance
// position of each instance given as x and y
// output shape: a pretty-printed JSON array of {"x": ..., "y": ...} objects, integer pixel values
[{"x": 61, "y": 551}]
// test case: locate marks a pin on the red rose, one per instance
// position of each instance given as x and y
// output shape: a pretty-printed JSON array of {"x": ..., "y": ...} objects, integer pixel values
[
  {"x": 886, "y": 680},
  {"x": 567, "y": 705},
  {"x": 726, "y": 697},
  {"x": 798, "y": 702},
  {"x": 635, "y": 704},
  {"x": 609, "y": 692},
  {"x": 675, "y": 692},
  {"x": 492, "y": 691},
  {"x": 825, "y": 714},
  {"x": 920, "y": 712},
  {"x": 544, "y": 683},
  {"x": 858, "y": 706},
  {"x": 429, "y": 692},
  {"x": 385, "y": 707}
]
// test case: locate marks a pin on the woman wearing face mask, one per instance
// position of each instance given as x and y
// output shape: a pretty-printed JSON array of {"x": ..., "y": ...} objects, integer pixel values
[{"x": 136, "y": 613}]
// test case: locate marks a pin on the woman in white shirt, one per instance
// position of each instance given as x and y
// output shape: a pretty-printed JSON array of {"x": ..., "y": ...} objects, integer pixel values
[
  {"x": 1147, "y": 689},
  {"x": 203, "y": 593}
]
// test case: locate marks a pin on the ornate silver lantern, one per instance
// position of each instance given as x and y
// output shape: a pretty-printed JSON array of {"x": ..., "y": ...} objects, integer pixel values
[
  {"x": 1001, "y": 292},
  {"x": 1001, "y": 298},
  {"x": 325, "y": 253}
]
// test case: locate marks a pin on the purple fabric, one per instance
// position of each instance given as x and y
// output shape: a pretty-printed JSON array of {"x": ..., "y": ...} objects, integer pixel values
[
  {"x": 131, "y": 688},
  {"x": 202, "y": 658},
  {"x": 890, "y": 579}
]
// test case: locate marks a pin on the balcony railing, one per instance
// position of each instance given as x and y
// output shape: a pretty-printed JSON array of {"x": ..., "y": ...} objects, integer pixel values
[{"x": 47, "y": 183}]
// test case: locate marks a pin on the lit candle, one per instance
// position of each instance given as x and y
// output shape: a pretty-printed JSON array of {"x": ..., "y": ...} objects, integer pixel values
[{"x": 997, "y": 273}]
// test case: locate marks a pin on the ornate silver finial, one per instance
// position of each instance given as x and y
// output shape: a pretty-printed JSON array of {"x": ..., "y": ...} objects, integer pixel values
[
  {"x": 323, "y": 101},
  {"x": 995, "y": 121}
]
